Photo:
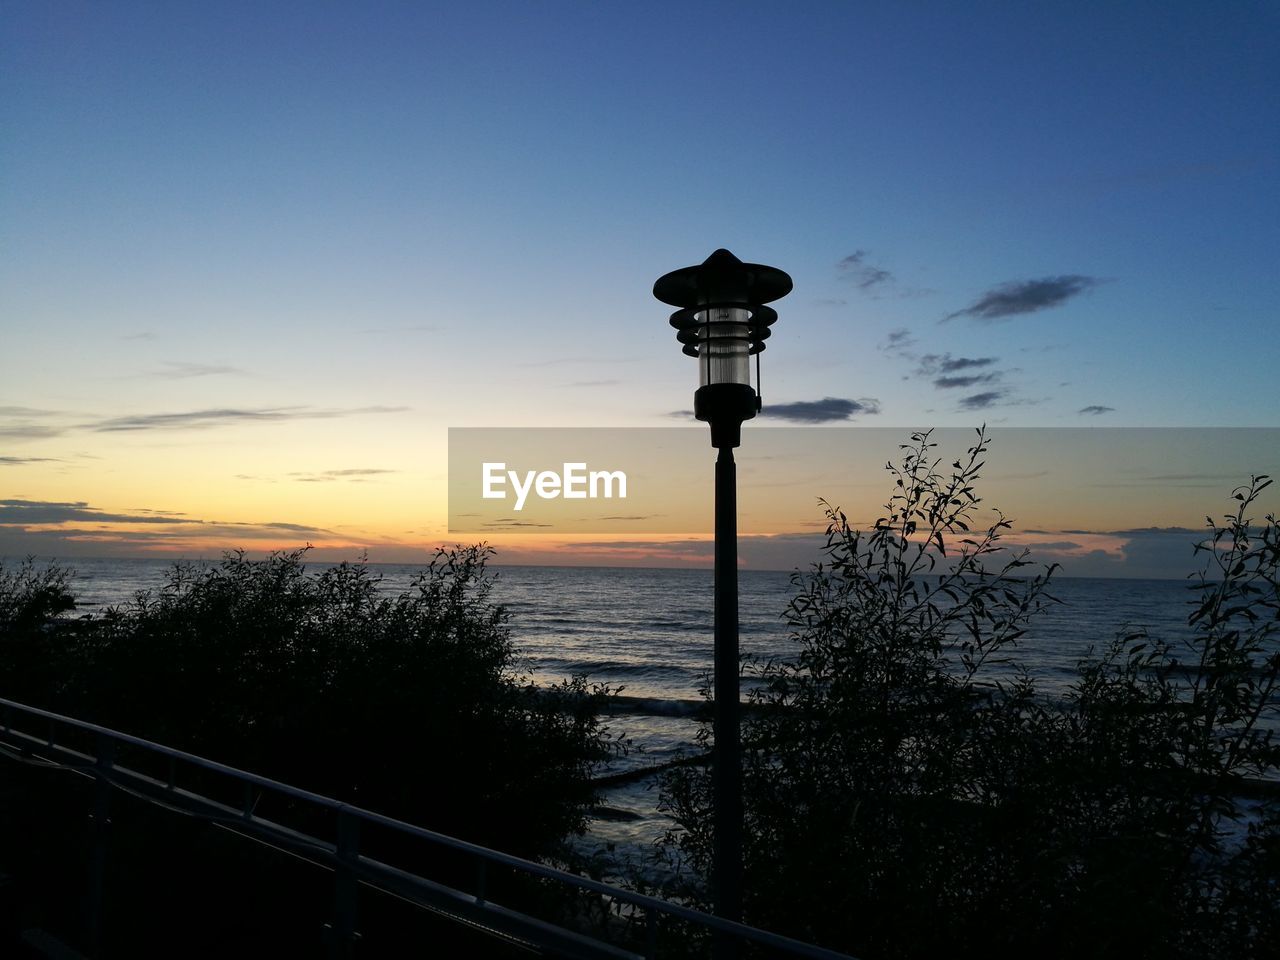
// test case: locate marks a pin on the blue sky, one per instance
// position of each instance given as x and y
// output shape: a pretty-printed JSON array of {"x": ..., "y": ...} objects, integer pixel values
[{"x": 265, "y": 235}]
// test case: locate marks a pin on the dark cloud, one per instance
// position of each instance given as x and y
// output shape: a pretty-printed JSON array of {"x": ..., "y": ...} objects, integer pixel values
[
  {"x": 17, "y": 513},
  {"x": 982, "y": 401},
  {"x": 1057, "y": 545},
  {"x": 1150, "y": 532},
  {"x": 932, "y": 364},
  {"x": 826, "y": 410},
  {"x": 864, "y": 275},
  {"x": 201, "y": 419},
  {"x": 948, "y": 383},
  {"x": 831, "y": 303},
  {"x": 18, "y": 461},
  {"x": 74, "y": 528},
  {"x": 949, "y": 364},
  {"x": 899, "y": 343},
  {"x": 25, "y": 512},
  {"x": 1025, "y": 296},
  {"x": 1094, "y": 410}
]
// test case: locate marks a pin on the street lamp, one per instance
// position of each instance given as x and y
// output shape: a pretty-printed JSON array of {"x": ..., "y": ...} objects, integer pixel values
[{"x": 723, "y": 321}]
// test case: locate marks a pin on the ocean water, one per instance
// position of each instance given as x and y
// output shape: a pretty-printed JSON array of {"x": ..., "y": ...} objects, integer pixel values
[{"x": 649, "y": 632}]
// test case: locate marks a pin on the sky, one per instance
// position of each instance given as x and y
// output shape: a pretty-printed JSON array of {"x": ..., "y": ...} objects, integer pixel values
[{"x": 256, "y": 259}]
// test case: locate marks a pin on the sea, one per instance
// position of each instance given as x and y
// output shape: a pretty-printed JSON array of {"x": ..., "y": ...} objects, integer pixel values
[{"x": 648, "y": 633}]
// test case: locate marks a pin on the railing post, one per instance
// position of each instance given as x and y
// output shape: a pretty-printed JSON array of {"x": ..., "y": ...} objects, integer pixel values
[
  {"x": 342, "y": 932},
  {"x": 101, "y": 818}
]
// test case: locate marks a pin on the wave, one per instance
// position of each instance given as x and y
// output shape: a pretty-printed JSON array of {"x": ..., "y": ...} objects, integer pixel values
[{"x": 656, "y": 706}]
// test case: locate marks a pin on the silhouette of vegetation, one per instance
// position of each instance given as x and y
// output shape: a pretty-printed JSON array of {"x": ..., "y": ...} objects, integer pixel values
[
  {"x": 411, "y": 705},
  {"x": 32, "y": 597},
  {"x": 905, "y": 797}
]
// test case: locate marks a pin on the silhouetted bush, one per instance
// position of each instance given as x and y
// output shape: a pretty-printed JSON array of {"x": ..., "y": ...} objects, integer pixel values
[
  {"x": 903, "y": 802},
  {"x": 32, "y": 598},
  {"x": 411, "y": 705}
]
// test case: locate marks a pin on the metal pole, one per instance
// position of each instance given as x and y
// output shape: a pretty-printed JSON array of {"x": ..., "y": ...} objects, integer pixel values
[
  {"x": 101, "y": 818},
  {"x": 342, "y": 934},
  {"x": 727, "y": 760}
]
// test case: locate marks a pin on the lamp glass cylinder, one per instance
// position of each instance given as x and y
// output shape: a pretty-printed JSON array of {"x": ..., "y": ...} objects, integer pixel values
[{"x": 724, "y": 347}]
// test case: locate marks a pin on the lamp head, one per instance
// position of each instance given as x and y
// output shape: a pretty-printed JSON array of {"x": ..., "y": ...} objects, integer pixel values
[{"x": 724, "y": 321}]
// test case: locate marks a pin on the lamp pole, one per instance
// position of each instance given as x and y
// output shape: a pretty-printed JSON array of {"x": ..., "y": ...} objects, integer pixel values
[
  {"x": 723, "y": 321},
  {"x": 726, "y": 768}
]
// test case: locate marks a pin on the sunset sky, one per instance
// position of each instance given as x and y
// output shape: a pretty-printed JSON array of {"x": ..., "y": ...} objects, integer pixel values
[{"x": 257, "y": 258}]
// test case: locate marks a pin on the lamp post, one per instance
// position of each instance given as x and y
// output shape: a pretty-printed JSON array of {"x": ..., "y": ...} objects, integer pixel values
[{"x": 723, "y": 321}]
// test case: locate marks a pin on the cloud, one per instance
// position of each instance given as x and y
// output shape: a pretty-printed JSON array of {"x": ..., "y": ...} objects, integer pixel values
[
  {"x": 563, "y": 361},
  {"x": 950, "y": 364},
  {"x": 25, "y": 429},
  {"x": 982, "y": 401},
  {"x": 932, "y": 364},
  {"x": 1025, "y": 296},
  {"x": 29, "y": 431},
  {"x": 947, "y": 383},
  {"x": 1094, "y": 410},
  {"x": 780, "y": 551},
  {"x": 75, "y": 528},
  {"x": 28, "y": 512},
  {"x": 898, "y": 343},
  {"x": 178, "y": 370},
  {"x": 826, "y": 410},
  {"x": 26, "y": 412},
  {"x": 290, "y": 527},
  {"x": 865, "y": 276},
  {"x": 142, "y": 335},
  {"x": 202, "y": 419},
  {"x": 833, "y": 302},
  {"x": 404, "y": 328},
  {"x": 18, "y": 461},
  {"x": 354, "y": 474}
]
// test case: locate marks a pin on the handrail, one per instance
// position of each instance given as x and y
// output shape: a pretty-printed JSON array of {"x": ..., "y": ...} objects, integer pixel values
[{"x": 344, "y": 853}]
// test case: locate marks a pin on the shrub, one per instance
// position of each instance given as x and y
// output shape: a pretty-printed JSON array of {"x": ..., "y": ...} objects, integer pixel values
[
  {"x": 411, "y": 705},
  {"x": 32, "y": 598},
  {"x": 900, "y": 800}
]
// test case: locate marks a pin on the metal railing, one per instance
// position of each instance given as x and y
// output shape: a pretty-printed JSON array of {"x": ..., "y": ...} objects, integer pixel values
[{"x": 49, "y": 739}]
